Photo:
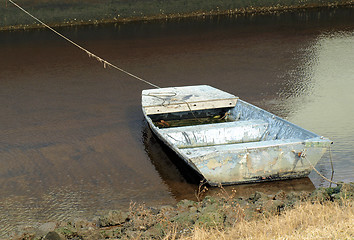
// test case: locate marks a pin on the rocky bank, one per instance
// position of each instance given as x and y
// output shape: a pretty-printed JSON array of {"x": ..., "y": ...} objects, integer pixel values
[{"x": 223, "y": 212}]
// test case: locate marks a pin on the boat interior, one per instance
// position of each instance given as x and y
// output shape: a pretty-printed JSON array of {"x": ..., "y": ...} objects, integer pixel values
[{"x": 243, "y": 123}]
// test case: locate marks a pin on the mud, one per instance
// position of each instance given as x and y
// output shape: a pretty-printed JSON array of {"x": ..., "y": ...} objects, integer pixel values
[{"x": 220, "y": 212}]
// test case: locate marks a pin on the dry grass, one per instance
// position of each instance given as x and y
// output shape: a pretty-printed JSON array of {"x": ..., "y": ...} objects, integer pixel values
[{"x": 306, "y": 221}]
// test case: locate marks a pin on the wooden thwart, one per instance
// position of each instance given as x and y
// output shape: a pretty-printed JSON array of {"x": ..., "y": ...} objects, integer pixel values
[{"x": 181, "y": 99}]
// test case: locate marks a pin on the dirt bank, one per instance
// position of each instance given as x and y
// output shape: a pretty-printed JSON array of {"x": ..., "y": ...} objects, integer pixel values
[{"x": 223, "y": 212}]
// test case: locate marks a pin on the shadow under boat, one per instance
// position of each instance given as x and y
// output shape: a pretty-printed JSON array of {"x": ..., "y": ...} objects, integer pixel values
[{"x": 166, "y": 161}]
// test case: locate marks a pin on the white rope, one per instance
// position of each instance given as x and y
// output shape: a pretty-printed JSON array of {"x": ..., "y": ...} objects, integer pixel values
[
  {"x": 161, "y": 95},
  {"x": 90, "y": 54},
  {"x": 303, "y": 155},
  {"x": 321, "y": 175}
]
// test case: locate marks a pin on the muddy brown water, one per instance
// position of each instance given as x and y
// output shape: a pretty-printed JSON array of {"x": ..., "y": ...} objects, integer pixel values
[{"x": 73, "y": 139}]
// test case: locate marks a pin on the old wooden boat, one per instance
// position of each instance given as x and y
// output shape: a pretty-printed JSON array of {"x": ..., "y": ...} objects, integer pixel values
[{"x": 227, "y": 140}]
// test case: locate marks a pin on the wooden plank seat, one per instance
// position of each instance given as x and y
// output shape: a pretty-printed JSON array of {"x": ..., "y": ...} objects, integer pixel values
[
  {"x": 216, "y": 133},
  {"x": 181, "y": 99}
]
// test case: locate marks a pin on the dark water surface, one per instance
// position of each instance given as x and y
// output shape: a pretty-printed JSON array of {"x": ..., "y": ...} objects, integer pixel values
[{"x": 73, "y": 139}]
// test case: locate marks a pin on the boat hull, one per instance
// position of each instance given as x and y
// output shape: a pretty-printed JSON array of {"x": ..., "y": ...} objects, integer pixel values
[
  {"x": 276, "y": 161},
  {"x": 255, "y": 146},
  {"x": 251, "y": 162}
]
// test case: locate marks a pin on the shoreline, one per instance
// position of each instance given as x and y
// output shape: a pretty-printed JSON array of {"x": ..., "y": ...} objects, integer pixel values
[
  {"x": 197, "y": 14},
  {"x": 208, "y": 213}
]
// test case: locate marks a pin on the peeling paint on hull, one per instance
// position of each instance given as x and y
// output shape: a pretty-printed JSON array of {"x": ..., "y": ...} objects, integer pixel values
[
  {"x": 279, "y": 161},
  {"x": 230, "y": 153}
]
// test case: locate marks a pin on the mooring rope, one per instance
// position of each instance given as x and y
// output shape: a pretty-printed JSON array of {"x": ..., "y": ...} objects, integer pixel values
[
  {"x": 303, "y": 155},
  {"x": 161, "y": 95},
  {"x": 331, "y": 160},
  {"x": 90, "y": 54},
  {"x": 320, "y": 174}
]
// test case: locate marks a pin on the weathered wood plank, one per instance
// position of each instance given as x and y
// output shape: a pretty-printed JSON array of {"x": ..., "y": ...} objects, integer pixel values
[{"x": 180, "y": 99}]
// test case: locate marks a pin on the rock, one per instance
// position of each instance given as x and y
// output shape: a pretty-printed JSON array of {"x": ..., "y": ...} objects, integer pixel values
[
  {"x": 130, "y": 234},
  {"x": 185, "y": 218},
  {"x": 209, "y": 200},
  {"x": 193, "y": 209},
  {"x": 25, "y": 236},
  {"x": 112, "y": 233},
  {"x": 273, "y": 206},
  {"x": 114, "y": 217},
  {"x": 80, "y": 223},
  {"x": 292, "y": 198},
  {"x": 281, "y": 195},
  {"x": 52, "y": 236},
  {"x": 233, "y": 214},
  {"x": 319, "y": 195},
  {"x": 154, "y": 211},
  {"x": 304, "y": 195},
  {"x": 211, "y": 214},
  {"x": 257, "y": 196},
  {"x": 46, "y": 227},
  {"x": 27, "y": 230},
  {"x": 347, "y": 188},
  {"x": 185, "y": 203},
  {"x": 67, "y": 231},
  {"x": 168, "y": 212},
  {"x": 342, "y": 192},
  {"x": 210, "y": 219},
  {"x": 93, "y": 234},
  {"x": 156, "y": 232}
]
